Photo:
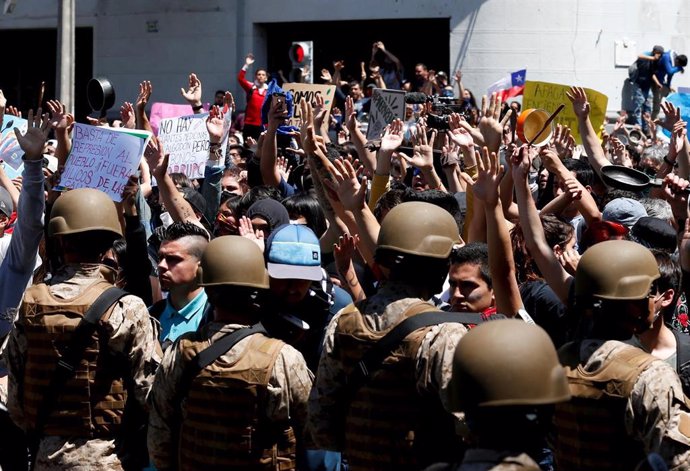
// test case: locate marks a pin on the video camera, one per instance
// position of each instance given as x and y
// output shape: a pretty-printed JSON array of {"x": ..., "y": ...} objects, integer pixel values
[{"x": 441, "y": 107}]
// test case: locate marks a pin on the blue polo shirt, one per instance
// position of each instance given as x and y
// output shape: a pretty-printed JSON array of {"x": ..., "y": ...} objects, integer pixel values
[{"x": 175, "y": 323}]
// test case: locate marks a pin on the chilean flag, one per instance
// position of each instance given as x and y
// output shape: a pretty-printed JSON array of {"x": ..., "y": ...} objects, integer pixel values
[{"x": 509, "y": 86}]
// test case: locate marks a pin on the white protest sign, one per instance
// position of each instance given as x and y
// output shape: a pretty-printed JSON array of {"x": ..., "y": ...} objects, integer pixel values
[
  {"x": 10, "y": 152},
  {"x": 386, "y": 105},
  {"x": 103, "y": 158},
  {"x": 185, "y": 138},
  {"x": 309, "y": 92}
]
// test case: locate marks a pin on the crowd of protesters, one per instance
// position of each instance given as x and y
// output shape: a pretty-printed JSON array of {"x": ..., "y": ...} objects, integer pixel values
[{"x": 437, "y": 297}]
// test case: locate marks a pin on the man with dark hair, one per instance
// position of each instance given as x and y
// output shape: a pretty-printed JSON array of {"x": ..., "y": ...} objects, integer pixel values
[
  {"x": 182, "y": 311},
  {"x": 469, "y": 277},
  {"x": 670, "y": 63},
  {"x": 229, "y": 396},
  {"x": 256, "y": 93}
]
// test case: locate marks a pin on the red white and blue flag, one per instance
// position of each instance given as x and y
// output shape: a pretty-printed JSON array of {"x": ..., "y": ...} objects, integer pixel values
[{"x": 509, "y": 86}]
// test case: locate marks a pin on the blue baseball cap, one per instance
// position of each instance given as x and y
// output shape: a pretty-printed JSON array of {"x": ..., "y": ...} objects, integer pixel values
[{"x": 293, "y": 252}]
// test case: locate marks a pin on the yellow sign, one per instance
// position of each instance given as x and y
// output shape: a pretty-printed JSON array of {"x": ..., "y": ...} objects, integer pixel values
[{"x": 547, "y": 96}]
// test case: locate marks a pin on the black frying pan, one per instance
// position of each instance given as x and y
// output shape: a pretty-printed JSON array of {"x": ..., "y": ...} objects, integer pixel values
[{"x": 626, "y": 178}]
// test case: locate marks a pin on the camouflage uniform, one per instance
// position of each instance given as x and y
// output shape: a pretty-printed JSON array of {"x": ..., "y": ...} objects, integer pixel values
[
  {"x": 288, "y": 389},
  {"x": 384, "y": 310},
  {"x": 131, "y": 333},
  {"x": 656, "y": 414}
]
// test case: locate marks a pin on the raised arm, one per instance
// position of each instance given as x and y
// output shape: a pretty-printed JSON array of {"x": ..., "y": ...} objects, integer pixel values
[
  {"x": 590, "y": 141},
  {"x": 193, "y": 94},
  {"x": 145, "y": 90},
  {"x": 269, "y": 152},
  {"x": 367, "y": 157},
  {"x": 62, "y": 123},
  {"x": 554, "y": 273}
]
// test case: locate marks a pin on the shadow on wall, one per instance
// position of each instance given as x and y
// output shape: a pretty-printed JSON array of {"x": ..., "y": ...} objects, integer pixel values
[{"x": 469, "y": 13}]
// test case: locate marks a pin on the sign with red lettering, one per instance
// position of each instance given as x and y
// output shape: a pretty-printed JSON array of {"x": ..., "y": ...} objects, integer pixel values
[{"x": 103, "y": 158}]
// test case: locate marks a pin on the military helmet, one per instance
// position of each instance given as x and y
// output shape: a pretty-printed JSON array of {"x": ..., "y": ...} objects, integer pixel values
[
  {"x": 616, "y": 269},
  {"x": 419, "y": 228},
  {"x": 83, "y": 210},
  {"x": 232, "y": 260},
  {"x": 506, "y": 362}
]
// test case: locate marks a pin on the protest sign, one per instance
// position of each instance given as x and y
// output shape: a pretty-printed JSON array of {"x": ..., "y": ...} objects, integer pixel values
[
  {"x": 160, "y": 111},
  {"x": 10, "y": 152},
  {"x": 186, "y": 140},
  {"x": 309, "y": 92},
  {"x": 548, "y": 96},
  {"x": 386, "y": 105},
  {"x": 103, "y": 158}
]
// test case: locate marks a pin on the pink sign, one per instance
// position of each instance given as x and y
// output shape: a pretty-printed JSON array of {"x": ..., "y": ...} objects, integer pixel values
[{"x": 161, "y": 110}]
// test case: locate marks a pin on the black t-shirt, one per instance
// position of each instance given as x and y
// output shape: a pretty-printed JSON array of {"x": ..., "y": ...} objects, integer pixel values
[{"x": 546, "y": 309}]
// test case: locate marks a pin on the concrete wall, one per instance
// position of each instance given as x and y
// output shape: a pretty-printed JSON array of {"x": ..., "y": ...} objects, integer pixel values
[{"x": 565, "y": 41}]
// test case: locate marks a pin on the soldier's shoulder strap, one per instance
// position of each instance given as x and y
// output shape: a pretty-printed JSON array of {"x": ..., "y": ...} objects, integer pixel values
[{"x": 374, "y": 357}]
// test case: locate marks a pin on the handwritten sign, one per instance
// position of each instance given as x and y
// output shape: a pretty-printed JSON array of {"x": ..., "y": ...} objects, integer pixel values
[
  {"x": 10, "y": 152},
  {"x": 186, "y": 140},
  {"x": 386, "y": 105},
  {"x": 103, "y": 158},
  {"x": 679, "y": 100},
  {"x": 160, "y": 111},
  {"x": 548, "y": 96},
  {"x": 309, "y": 92}
]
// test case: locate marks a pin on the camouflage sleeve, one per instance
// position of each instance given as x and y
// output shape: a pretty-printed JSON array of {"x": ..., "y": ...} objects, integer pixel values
[
  {"x": 288, "y": 389},
  {"x": 658, "y": 414},
  {"x": 15, "y": 358},
  {"x": 327, "y": 402},
  {"x": 133, "y": 336},
  {"x": 435, "y": 359},
  {"x": 163, "y": 409}
]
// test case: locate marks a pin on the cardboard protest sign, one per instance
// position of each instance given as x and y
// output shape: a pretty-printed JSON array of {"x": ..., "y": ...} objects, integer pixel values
[
  {"x": 160, "y": 111},
  {"x": 186, "y": 140},
  {"x": 103, "y": 158},
  {"x": 10, "y": 152},
  {"x": 309, "y": 92},
  {"x": 548, "y": 96},
  {"x": 386, "y": 105}
]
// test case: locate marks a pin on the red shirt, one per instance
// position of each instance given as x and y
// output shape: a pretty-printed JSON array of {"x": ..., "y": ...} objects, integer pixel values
[{"x": 255, "y": 99}]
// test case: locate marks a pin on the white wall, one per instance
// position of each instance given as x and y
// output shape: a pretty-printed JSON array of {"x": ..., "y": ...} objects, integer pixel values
[{"x": 565, "y": 41}]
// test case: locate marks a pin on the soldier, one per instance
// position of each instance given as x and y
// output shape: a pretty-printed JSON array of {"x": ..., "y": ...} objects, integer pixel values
[
  {"x": 508, "y": 418},
  {"x": 625, "y": 403},
  {"x": 78, "y": 421},
  {"x": 398, "y": 419},
  {"x": 228, "y": 396}
]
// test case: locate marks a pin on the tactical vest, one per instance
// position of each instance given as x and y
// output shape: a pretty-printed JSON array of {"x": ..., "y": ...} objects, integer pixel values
[
  {"x": 92, "y": 402},
  {"x": 389, "y": 425},
  {"x": 224, "y": 424},
  {"x": 591, "y": 433}
]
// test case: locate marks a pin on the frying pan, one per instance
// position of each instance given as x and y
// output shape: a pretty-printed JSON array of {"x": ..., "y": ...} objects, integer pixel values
[{"x": 626, "y": 178}]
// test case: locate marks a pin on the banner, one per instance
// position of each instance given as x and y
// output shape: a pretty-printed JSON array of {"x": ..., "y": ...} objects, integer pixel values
[
  {"x": 160, "y": 111},
  {"x": 548, "y": 96},
  {"x": 386, "y": 105},
  {"x": 103, "y": 158},
  {"x": 10, "y": 152},
  {"x": 186, "y": 140},
  {"x": 309, "y": 92},
  {"x": 679, "y": 100}
]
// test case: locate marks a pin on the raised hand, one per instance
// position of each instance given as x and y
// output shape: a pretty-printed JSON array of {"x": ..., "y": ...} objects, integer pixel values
[
  {"x": 343, "y": 250},
  {"x": 129, "y": 195},
  {"x": 320, "y": 111},
  {"x": 156, "y": 157},
  {"x": 127, "y": 115},
  {"x": 326, "y": 76},
  {"x": 578, "y": 98},
  {"x": 674, "y": 193},
  {"x": 460, "y": 134},
  {"x": 423, "y": 150},
  {"x": 489, "y": 177},
  {"x": 671, "y": 116},
  {"x": 563, "y": 142},
  {"x": 521, "y": 162},
  {"x": 620, "y": 153},
  {"x": 678, "y": 135},
  {"x": 249, "y": 59},
  {"x": 228, "y": 102},
  {"x": 145, "y": 90},
  {"x": 350, "y": 115},
  {"x": 449, "y": 153},
  {"x": 573, "y": 189},
  {"x": 284, "y": 167},
  {"x": 392, "y": 136},
  {"x": 215, "y": 124},
  {"x": 60, "y": 119},
  {"x": 247, "y": 230},
  {"x": 489, "y": 124},
  {"x": 193, "y": 92},
  {"x": 14, "y": 111},
  {"x": 33, "y": 141},
  {"x": 345, "y": 184}
]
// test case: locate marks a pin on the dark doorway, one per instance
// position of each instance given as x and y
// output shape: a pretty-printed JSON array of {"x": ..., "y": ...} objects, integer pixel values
[
  {"x": 32, "y": 64},
  {"x": 352, "y": 41}
]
